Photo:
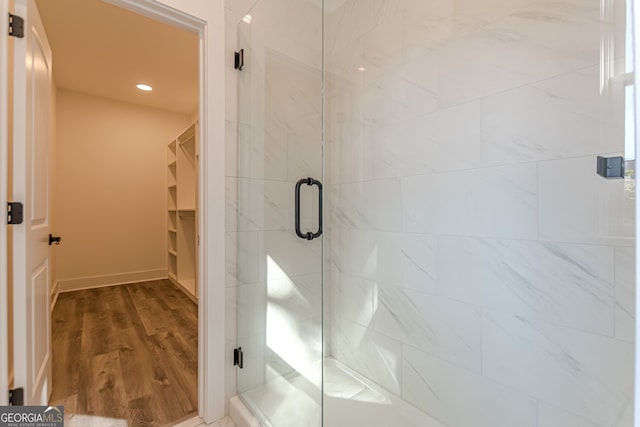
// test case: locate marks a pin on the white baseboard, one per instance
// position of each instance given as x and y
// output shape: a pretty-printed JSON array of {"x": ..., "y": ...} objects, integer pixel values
[
  {"x": 184, "y": 290},
  {"x": 70, "y": 285}
]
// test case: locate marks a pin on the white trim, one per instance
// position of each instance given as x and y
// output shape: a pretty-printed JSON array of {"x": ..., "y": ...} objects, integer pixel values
[
  {"x": 636, "y": 40},
  {"x": 4, "y": 115},
  {"x": 184, "y": 290},
  {"x": 210, "y": 26},
  {"x": 77, "y": 284}
]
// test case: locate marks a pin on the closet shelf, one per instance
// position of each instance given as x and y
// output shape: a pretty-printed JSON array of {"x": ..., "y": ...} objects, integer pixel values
[{"x": 182, "y": 200}]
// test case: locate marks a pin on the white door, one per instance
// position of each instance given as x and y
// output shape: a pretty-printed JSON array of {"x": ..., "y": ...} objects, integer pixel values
[{"x": 31, "y": 252}]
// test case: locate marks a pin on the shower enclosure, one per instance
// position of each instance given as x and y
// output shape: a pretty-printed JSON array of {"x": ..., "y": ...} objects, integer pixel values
[{"x": 423, "y": 238}]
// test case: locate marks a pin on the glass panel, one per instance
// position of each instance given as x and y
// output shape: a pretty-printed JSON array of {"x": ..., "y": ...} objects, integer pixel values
[
  {"x": 480, "y": 273},
  {"x": 279, "y": 274}
]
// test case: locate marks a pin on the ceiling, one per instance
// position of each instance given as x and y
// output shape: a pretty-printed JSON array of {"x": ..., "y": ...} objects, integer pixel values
[{"x": 103, "y": 50}]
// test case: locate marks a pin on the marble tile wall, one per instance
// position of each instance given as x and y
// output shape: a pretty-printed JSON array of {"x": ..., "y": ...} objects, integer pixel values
[{"x": 478, "y": 267}]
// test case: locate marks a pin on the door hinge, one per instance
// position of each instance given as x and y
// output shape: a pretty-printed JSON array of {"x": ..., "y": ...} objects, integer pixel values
[
  {"x": 14, "y": 213},
  {"x": 238, "y": 357},
  {"x": 239, "y": 60},
  {"x": 16, "y": 397},
  {"x": 16, "y": 26}
]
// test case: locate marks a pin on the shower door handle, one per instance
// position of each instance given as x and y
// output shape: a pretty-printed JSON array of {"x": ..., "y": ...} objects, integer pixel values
[{"x": 308, "y": 235}]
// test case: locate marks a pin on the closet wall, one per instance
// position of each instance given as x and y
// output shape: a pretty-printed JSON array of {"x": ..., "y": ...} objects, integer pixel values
[{"x": 110, "y": 190}]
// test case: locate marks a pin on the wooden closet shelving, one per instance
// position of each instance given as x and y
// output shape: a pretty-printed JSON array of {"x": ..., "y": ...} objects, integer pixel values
[{"x": 182, "y": 170}]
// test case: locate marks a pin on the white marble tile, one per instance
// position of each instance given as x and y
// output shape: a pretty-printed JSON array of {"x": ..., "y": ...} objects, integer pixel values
[
  {"x": 252, "y": 310},
  {"x": 250, "y": 259},
  {"x": 298, "y": 298},
  {"x": 286, "y": 255},
  {"x": 586, "y": 374},
  {"x": 352, "y": 298},
  {"x": 267, "y": 205},
  {"x": 402, "y": 259},
  {"x": 435, "y": 142},
  {"x": 231, "y": 259},
  {"x": 537, "y": 42},
  {"x": 576, "y": 205},
  {"x": 460, "y": 398},
  {"x": 492, "y": 202},
  {"x": 304, "y": 157},
  {"x": 625, "y": 292},
  {"x": 231, "y": 149},
  {"x": 231, "y": 204},
  {"x": 551, "y": 416},
  {"x": 369, "y": 205},
  {"x": 373, "y": 355},
  {"x": 231, "y": 92},
  {"x": 563, "y": 284},
  {"x": 447, "y": 329},
  {"x": 570, "y": 111}
]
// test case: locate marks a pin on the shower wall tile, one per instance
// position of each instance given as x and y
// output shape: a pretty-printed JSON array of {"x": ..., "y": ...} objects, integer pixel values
[
  {"x": 460, "y": 398},
  {"x": 249, "y": 250},
  {"x": 231, "y": 148},
  {"x": 286, "y": 255},
  {"x": 367, "y": 352},
  {"x": 352, "y": 298},
  {"x": 625, "y": 292},
  {"x": 569, "y": 108},
  {"x": 535, "y": 43},
  {"x": 371, "y": 205},
  {"x": 563, "y": 284},
  {"x": 492, "y": 202},
  {"x": 231, "y": 259},
  {"x": 402, "y": 259},
  {"x": 268, "y": 205},
  {"x": 576, "y": 205},
  {"x": 298, "y": 297},
  {"x": 251, "y": 309},
  {"x": 447, "y": 329},
  {"x": 551, "y": 416},
  {"x": 585, "y": 374},
  {"x": 427, "y": 143}
]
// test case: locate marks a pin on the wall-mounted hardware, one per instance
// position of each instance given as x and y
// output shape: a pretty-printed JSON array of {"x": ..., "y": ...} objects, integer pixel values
[
  {"x": 238, "y": 357},
  {"x": 14, "y": 213},
  {"x": 239, "y": 60},
  {"x": 16, "y": 397},
  {"x": 318, "y": 233},
  {"x": 610, "y": 167},
  {"x": 16, "y": 26}
]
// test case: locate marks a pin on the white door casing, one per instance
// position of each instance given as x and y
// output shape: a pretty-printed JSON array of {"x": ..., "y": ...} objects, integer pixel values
[
  {"x": 31, "y": 251},
  {"x": 4, "y": 115}
]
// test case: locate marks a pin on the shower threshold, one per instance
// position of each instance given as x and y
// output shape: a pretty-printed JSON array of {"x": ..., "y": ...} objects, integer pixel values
[{"x": 349, "y": 399}]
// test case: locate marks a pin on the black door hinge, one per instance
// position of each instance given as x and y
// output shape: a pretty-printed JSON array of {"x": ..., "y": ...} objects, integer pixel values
[
  {"x": 238, "y": 357},
  {"x": 16, "y": 397},
  {"x": 14, "y": 213},
  {"x": 16, "y": 26},
  {"x": 239, "y": 60}
]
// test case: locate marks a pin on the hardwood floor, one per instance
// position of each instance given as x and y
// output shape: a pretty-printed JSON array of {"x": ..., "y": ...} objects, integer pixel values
[{"x": 125, "y": 355}]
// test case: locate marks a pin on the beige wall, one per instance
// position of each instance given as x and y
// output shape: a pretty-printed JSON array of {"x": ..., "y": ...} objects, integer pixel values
[{"x": 110, "y": 188}]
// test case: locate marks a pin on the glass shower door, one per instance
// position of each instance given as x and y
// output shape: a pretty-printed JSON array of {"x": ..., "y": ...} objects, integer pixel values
[{"x": 279, "y": 253}]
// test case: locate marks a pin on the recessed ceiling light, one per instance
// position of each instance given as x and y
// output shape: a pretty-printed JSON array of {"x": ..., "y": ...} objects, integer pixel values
[
  {"x": 144, "y": 87},
  {"x": 247, "y": 18},
  {"x": 361, "y": 69}
]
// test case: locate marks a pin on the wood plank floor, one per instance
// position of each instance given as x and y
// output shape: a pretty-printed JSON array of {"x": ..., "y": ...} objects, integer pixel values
[{"x": 125, "y": 355}]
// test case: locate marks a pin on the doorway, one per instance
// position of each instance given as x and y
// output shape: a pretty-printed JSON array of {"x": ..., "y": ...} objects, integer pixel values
[{"x": 113, "y": 195}]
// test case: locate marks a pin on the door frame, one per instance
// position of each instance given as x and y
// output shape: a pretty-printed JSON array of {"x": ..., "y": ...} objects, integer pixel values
[
  {"x": 208, "y": 22},
  {"x": 207, "y": 19},
  {"x": 4, "y": 126}
]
